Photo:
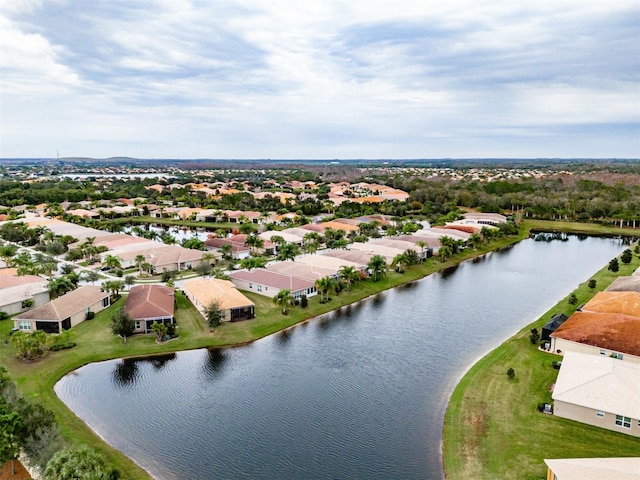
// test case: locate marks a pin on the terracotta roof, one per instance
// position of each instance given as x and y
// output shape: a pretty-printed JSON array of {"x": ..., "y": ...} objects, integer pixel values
[
  {"x": 224, "y": 292},
  {"x": 66, "y": 305},
  {"x": 627, "y": 303},
  {"x": 617, "y": 332},
  {"x": 150, "y": 301}
]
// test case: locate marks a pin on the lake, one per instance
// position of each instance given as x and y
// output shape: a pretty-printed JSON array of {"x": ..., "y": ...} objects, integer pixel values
[{"x": 359, "y": 393}]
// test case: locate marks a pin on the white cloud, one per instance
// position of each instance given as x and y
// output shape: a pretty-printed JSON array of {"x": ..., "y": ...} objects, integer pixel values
[{"x": 249, "y": 78}]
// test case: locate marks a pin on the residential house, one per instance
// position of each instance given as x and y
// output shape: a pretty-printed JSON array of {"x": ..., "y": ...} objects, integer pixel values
[
  {"x": 269, "y": 283},
  {"x": 233, "y": 305},
  {"x": 627, "y": 303},
  {"x": 147, "y": 304},
  {"x": 301, "y": 270},
  {"x": 599, "y": 391},
  {"x": 64, "y": 312},
  {"x": 18, "y": 292},
  {"x": 603, "y": 334},
  {"x": 613, "y": 468},
  {"x": 331, "y": 263}
]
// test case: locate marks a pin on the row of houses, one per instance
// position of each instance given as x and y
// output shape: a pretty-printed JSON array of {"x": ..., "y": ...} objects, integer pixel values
[
  {"x": 145, "y": 304},
  {"x": 160, "y": 257},
  {"x": 599, "y": 378}
]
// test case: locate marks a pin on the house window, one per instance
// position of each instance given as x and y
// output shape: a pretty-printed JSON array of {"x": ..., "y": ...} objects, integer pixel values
[
  {"x": 603, "y": 352},
  {"x": 137, "y": 325},
  {"x": 24, "y": 325},
  {"x": 105, "y": 302},
  {"x": 250, "y": 285},
  {"x": 617, "y": 355},
  {"x": 622, "y": 421},
  {"x": 259, "y": 288},
  {"x": 599, "y": 414}
]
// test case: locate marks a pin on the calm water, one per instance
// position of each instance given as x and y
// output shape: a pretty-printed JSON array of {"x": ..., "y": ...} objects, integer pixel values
[{"x": 356, "y": 394}]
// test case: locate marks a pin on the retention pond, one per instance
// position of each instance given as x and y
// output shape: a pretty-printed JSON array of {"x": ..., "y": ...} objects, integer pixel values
[{"x": 359, "y": 393}]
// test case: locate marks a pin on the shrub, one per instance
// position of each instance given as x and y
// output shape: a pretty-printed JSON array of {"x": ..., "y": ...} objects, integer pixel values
[
  {"x": 592, "y": 283},
  {"x": 304, "y": 301},
  {"x": 534, "y": 336},
  {"x": 90, "y": 315},
  {"x": 511, "y": 373},
  {"x": 62, "y": 346},
  {"x": 541, "y": 407},
  {"x": 573, "y": 299}
]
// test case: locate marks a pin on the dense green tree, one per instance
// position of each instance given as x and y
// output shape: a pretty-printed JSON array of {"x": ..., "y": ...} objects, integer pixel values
[
  {"x": 122, "y": 324},
  {"x": 614, "y": 266},
  {"x": 349, "y": 275},
  {"x": 213, "y": 314},
  {"x": 626, "y": 256}
]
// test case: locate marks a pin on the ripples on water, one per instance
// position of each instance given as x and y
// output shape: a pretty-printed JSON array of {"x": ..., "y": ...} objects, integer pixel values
[{"x": 357, "y": 393}]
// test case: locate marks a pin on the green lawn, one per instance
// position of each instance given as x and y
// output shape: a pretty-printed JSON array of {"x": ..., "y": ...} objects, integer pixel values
[
  {"x": 96, "y": 342},
  {"x": 492, "y": 428}
]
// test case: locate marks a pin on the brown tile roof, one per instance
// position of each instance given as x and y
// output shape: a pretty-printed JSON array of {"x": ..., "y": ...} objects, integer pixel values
[
  {"x": 66, "y": 305},
  {"x": 150, "y": 301},
  {"x": 224, "y": 292},
  {"x": 627, "y": 303},
  {"x": 617, "y": 332}
]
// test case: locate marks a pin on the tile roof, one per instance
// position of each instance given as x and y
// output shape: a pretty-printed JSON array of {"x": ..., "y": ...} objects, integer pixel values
[
  {"x": 66, "y": 305},
  {"x": 627, "y": 303},
  {"x": 150, "y": 301},
  {"x": 224, "y": 292},
  {"x": 617, "y": 332},
  {"x": 272, "y": 279},
  {"x": 599, "y": 382}
]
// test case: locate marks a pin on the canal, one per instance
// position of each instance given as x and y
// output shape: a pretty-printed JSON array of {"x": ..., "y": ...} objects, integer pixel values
[{"x": 359, "y": 393}]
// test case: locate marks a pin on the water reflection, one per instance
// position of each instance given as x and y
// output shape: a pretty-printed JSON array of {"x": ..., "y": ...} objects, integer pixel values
[
  {"x": 214, "y": 363},
  {"x": 126, "y": 371},
  {"x": 448, "y": 272}
]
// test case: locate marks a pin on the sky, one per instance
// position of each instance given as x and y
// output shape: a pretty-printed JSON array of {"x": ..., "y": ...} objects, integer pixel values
[{"x": 317, "y": 79}]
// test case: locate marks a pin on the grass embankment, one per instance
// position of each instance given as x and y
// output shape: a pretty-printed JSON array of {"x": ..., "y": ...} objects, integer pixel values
[
  {"x": 492, "y": 428},
  {"x": 96, "y": 342}
]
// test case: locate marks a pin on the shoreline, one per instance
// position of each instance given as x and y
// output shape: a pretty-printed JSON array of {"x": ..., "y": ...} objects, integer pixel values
[
  {"x": 46, "y": 390},
  {"x": 464, "y": 387}
]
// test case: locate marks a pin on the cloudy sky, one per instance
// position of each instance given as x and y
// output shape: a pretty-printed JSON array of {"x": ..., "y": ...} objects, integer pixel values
[{"x": 320, "y": 78}]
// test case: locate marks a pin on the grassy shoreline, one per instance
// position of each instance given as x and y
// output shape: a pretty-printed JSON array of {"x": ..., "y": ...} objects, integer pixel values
[
  {"x": 96, "y": 343},
  {"x": 492, "y": 428}
]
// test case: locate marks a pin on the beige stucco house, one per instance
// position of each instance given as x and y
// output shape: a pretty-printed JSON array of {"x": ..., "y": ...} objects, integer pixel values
[
  {"x": 233, "y": 304},
  {"x": 147, "y": 304},
  {"x": 17, "y": 292},
  {"x": 64, "y": 312},
  {"x": 600, "y": 391}
]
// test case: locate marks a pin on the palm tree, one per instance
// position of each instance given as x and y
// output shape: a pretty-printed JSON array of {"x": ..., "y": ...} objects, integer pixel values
[
  {"x": 400, "y": 261},
  {"x": 422, "y": 244},
  {"x": 139, "y": 261},
  {"x": 349, "y": 275},
  {"x": 378, "y": 267},
  {"x": 112, "y": 261},
  {"x": 444, "y": 252},
  {"x": 59, "y": 286},
  {"x": 284, "y": 299},
  {"x": 323, "y": 285},
  {"x": 91, "y": 276},
  {"x": 288, "y": 251},
  {"x": 254, "y": 242},
  {"x": 226, "y": 251},
  {"x": 7, "y": 252},
  {"x": 474, "y": 240}
]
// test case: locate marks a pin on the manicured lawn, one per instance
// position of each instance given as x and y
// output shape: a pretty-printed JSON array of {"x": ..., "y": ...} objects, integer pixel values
[{"x": 492, "y": 428}]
